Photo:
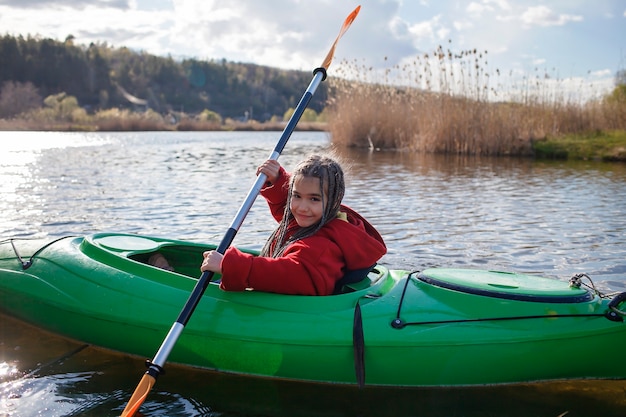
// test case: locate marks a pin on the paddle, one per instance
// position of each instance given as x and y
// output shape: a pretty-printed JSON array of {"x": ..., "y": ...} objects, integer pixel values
[{"x": 155, "y": 367}]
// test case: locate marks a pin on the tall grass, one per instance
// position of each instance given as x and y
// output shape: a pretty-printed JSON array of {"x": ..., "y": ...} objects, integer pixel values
[{"x": 447, "y": 102}]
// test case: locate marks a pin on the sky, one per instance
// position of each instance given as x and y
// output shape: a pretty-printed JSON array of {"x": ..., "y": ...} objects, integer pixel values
[{"x": 573, "y": 41}]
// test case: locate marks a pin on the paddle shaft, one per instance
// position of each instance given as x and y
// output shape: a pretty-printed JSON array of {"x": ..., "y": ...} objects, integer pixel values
[{"x": 161, "y": 356}]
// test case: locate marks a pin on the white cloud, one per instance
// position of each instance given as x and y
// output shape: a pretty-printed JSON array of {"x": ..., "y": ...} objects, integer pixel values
[
  {"x": 502, "y": 4},
  {"x": 399, "y": 28},
  {"x": 422, "y": 30},
  {"x": 476, "y": 9},
  {"x": 432, "y": 30},
  {"x": 443, "y": 33},
  {"x": 543, "y": 16},
  {"x": 601, "y": 73},
  {"x": 193, "y": 11},
  {"x": 461, "y": 25}
]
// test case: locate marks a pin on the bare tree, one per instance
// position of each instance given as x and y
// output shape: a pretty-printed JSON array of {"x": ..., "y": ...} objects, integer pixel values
[{"x": 16, "y": 98}]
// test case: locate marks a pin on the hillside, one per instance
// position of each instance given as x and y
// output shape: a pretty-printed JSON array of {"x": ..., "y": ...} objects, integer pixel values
[{"x": 102, "y": 77}]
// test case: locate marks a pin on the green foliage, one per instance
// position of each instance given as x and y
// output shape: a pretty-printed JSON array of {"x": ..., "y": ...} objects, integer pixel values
[
  {"x": 618, "y": 95},
  {"x": 545, "y": 149},
  {"x": 599, "y": 145},
  {"x": 98, "y": 75},
  {"x": 210, "y": 117},
  {"x": 309, "y": 115},
  {"x": 288, "y": 113},
  {"x": 64, "y": 107}
]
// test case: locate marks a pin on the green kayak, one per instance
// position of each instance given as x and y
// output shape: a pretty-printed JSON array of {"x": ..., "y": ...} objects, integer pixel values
[{"x": 437, "y": 327}]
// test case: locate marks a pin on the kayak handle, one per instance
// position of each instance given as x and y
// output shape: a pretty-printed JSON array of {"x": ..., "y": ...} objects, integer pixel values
[{"x": 615, "y": 313}]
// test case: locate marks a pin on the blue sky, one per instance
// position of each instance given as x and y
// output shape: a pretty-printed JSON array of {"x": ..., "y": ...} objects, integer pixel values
[{"x": 570, "y": 39}]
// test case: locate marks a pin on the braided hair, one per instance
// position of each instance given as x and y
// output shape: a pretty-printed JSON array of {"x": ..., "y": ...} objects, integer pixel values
[{"x": 332, "y": 187}]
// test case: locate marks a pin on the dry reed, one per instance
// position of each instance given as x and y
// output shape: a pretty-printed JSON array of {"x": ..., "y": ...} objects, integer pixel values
[{"x": 448, "y": 102}]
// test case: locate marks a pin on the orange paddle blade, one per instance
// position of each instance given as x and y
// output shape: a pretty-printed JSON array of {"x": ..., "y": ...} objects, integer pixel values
[
  {"x": 344, "y": 28},
  {"x": 139, "y": 396}
]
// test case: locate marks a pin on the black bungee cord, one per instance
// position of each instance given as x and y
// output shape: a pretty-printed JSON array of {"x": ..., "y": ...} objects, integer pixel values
[{"x": 27, "y": 264}]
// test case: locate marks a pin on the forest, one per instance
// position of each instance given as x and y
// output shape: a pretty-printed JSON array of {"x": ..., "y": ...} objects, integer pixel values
[{"x": 102, "y": 77}]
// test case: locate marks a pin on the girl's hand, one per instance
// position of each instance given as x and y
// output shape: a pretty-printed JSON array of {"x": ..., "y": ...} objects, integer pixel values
[
  {"x": 271, "y": 169},
  {"x": 212, "y": 261}
]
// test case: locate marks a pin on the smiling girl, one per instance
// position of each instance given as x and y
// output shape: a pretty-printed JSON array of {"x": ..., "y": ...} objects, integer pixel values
[{"x": 317, "y": 242}]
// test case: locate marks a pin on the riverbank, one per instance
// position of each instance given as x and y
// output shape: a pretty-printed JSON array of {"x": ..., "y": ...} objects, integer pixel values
[
  {"x": 417, "y": 121},
  {"x": 138, "y": 123},
  {"x": 598, "y": 145}
]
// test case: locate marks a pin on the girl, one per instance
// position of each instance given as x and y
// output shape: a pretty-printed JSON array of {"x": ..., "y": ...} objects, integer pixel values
[{"x": 318, "y": 240}]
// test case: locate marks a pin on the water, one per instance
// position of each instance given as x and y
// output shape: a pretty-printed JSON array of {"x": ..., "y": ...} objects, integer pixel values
[{"x": 552, "y": 218}]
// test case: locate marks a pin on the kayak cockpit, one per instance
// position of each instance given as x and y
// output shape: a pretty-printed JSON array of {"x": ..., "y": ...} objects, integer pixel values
[{"x": 181, "y": 257}]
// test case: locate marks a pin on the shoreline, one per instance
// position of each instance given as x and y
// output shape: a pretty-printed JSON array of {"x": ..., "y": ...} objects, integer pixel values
[{"x": 607, "y": 146}]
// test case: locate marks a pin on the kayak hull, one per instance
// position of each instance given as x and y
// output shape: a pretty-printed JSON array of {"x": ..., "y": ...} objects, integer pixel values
[{"x": 440, "y": 327}]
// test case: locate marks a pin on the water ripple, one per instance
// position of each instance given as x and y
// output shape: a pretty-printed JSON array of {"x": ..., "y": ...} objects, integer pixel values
[{"x": 554, "y": 218}]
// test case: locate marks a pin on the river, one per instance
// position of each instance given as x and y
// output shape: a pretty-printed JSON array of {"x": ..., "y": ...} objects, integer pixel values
[{"x": 554, "y": 218}]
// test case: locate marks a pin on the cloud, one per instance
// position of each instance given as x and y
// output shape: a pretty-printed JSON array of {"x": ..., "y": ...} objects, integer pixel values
[
  {"x": 477, "y": 9},
  {"x": 74, "y": 4},
  {"x": 604, "y": 73},
  {"x": 296, "y": 34},
  {"x": 431, "y": 30},
  {"x": 543, "y": 16},
  {"x": 284, "y": 35},
  {"x": 461, "y": 25}
]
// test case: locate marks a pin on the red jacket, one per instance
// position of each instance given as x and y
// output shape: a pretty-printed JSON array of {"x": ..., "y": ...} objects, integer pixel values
[{"x": 310, "y": 266}]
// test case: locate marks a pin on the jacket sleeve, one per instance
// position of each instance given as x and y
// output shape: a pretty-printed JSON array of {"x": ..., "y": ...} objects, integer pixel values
[
  {"x": 308, "y": 267},
  {"x": 276, "y": 195}
]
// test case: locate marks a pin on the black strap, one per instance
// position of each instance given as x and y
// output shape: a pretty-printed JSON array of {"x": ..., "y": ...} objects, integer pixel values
[{"x": 358, "y": 341}]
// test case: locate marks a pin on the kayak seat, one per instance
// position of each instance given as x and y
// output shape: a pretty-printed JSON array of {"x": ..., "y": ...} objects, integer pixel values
[
  {"x": 174, "y": 258},
  {"x": 354, "y": 280}
]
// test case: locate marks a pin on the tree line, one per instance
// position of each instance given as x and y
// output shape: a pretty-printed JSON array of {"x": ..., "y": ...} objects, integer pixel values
[{"x": 100, "y": 77}]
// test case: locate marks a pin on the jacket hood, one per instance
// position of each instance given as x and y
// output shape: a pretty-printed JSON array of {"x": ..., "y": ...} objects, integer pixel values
[{"x": 359, "y": 241}]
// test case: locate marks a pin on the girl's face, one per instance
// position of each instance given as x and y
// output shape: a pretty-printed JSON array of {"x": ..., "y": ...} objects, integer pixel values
[{"x": 306, "y": 201}]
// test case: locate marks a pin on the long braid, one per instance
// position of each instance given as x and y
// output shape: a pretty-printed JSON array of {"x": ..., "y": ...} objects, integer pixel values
[{"x": 332, "y": 187}]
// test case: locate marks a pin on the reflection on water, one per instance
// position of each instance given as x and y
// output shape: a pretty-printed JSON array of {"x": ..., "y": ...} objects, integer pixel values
[
  {"x": 90, "y": 382},
  {"x": 552, "y": 218}
]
